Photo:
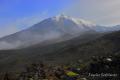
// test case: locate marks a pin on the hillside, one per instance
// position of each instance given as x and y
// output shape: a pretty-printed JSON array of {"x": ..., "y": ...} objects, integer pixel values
[
  {"x": 20, "y": 57},
  {"x": 63, "y": 52}
]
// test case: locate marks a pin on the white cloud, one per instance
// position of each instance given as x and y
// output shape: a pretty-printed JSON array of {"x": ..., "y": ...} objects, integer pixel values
[{"x": 100, "y": 11}]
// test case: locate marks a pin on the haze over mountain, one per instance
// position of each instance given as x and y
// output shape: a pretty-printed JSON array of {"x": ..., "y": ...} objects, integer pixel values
[
  {"x": 51, "y": 30},
  {"x": 62, "y": 52}
]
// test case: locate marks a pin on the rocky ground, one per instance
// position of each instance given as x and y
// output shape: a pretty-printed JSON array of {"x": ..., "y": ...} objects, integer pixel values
[{"x": 98, "y": 68}]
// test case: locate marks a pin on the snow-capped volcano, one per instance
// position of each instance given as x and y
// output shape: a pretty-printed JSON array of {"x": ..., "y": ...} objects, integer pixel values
[
  {"x": 53, "y": 29},
  {"x": 75, "y": 20},
  {"x": 80, "y": 24},
  {"x": 63, "y": 24}
]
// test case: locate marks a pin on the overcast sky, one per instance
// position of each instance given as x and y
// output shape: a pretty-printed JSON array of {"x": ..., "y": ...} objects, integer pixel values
[
  {"x": 16, "y": 15},
  {"x": 104, "y": 12}
]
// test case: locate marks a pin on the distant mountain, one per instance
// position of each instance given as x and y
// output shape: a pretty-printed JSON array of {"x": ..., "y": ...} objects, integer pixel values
[
  {"x": 52, "y": 30},
  {"x": 107, "y": 28},
  {"x": 55, "y": 29}
]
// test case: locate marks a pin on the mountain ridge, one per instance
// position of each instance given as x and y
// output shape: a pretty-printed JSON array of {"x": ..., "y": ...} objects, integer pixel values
[
  {"x": 54, "y": 29},
  {"x": 48, "y": 29}
]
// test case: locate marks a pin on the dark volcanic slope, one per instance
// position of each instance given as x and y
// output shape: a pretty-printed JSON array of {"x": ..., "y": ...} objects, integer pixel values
[
  {"x": 105, "y": 45},
  {"x": 108, "y": 44},
  {"x": 61, "y": 52},
  {"x": 17, "y": 59}
]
